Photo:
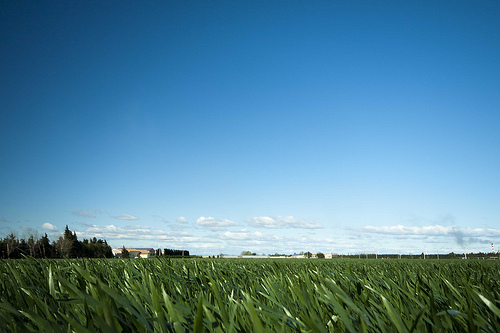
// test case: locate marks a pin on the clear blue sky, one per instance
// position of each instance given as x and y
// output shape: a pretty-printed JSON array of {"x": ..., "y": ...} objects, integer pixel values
[{"x": 268, "y": 126}]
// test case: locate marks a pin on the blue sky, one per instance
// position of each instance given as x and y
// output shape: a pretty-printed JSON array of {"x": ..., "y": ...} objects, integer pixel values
[{"x": 270, "y": 126}]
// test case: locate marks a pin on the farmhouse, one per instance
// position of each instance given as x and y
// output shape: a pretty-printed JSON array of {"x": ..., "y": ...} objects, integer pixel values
[{"x": 135, "y": 253}]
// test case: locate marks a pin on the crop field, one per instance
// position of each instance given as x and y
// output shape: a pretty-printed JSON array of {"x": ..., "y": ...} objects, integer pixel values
[{"x": 249, "y": 295}]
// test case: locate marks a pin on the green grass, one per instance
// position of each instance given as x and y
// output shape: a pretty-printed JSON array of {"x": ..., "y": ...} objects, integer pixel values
[{"x": 259, "y": 295}]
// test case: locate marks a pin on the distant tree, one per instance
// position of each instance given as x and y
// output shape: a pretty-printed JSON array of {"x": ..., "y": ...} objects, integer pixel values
[
  {"x": 3, "y": 248},
  {"x": 45, "y": 248},
  {"x": 96, "y": 248},
  {"x": 125, "y": 253},
  {"x": 308, "y": 254},
  {"x": 23, "y": 247},
  {"x": 12, "y": 245},
  {"x": 320, "y": 255},
  {"x": 175, "y": 253},
  {"x": 68, "y": 245},
  {"x": 248, "y": 253},
  {"x": 32, "y": 246}
]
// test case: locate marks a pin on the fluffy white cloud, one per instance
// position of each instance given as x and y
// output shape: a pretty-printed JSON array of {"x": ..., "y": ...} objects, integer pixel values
[
  {"x": 181, "y": 219},
  {"x": 126, "y": 217},
  {"x": 83, "y": 213},
  {"x": 48, "y": 227},
  {"x": 282, "y": 222},
  {"x": 213, "y": 224}
]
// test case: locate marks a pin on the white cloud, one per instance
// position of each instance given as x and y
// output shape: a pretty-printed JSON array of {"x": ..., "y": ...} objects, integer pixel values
[
  {"x": 131, "y": 232},
  {"x": 48, "y": 227},
  {"x": 404, "y": 230},
  {"x": 125, "y": 217},
  {"x": 181, "y": 219},
  {"x": 128, "y": 232},
  {"x": 260, "y": 242},
  {"x": 282, "y": 222},
  {"x": 213, "y": 224},
  {"x": 83, "y": 213},
  {"x": 230, "y": 240},
  {"x": 433, "y": 230},
  {"x": 247, "y": 235},
  {"x": 145, "y": 236},
  {"x": 432, "y": 240},
  {"x": 244, "y": 240},
  {"x": 264, "y": 221},
  {"x": 463, "y": 237}
]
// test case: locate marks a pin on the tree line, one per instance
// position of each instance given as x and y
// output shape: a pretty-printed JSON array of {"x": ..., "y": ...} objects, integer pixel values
[
  {"x": 159, "y": 253},
  {"x": 67, "y": 246},
  {"x": 172, "y": 253}
]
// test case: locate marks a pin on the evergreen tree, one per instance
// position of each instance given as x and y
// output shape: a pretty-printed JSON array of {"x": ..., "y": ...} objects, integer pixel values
[
  {"x": 11, "y": 246},
  {"x": 45, "y": 248},
  {"x": 125, "y": 253},
  {"x": 68, "y": 245},
  {"x": 97, "y": 248}
]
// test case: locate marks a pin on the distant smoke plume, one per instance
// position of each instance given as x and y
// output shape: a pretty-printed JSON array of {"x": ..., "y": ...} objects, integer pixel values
[
  {"x": 479, "y": 240},
  {"x": 459, "y": 236},
  {"x": 461, "y": 241}
]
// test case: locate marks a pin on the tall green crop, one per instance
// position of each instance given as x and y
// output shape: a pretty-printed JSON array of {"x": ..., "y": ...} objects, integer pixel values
[{"x": 249, "y": 295}]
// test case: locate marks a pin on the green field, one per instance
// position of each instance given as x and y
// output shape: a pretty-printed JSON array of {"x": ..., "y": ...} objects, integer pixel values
[{"x": 245, "y": 295}]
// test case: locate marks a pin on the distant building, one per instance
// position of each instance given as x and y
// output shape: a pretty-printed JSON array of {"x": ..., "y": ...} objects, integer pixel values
[{"x": 135, "y": 253}]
